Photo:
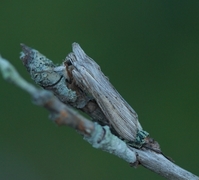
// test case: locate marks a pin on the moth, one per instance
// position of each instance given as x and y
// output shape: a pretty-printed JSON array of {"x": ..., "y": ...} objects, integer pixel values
[
  {"x": 89, "y": 77},
  {"x": 80, "y": 83}
]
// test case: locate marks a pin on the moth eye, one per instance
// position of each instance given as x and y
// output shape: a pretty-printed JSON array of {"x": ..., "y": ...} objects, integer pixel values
[
  {"x": 67, "y": 80},
  {"x": 68, "y": 62}
]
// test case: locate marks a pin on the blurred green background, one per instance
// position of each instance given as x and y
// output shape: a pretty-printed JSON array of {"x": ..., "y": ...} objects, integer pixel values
[{"x": 150, "y": 52}]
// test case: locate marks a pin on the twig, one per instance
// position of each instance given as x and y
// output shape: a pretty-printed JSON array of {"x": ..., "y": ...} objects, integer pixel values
[
  {"x": 100, "y": 137},
  {"x": 79, "y": 82}
]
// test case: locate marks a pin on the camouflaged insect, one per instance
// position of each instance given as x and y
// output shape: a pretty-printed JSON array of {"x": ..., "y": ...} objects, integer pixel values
[
  {"x": 119, "y": 114},
  {"x": 80, "y": 83}
]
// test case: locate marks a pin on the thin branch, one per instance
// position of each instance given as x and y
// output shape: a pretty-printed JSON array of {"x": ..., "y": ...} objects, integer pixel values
[
  {"x": 100, "y": 137},
  {"x": 79, "y": 83}
]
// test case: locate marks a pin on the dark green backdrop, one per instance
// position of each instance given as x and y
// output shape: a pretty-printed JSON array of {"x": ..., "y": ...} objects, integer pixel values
[{"x": 150, "y": 52}]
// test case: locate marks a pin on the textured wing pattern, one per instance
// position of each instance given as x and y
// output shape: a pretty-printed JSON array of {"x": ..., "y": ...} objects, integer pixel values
[{"x": 118, "y": 112}]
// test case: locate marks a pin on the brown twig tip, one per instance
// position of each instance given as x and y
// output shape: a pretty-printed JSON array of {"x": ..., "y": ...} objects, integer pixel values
[
  {"x": 25, "y": 49},
  {"x": 26, "y": 54},
  {"x": 24, "y": 46}
]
